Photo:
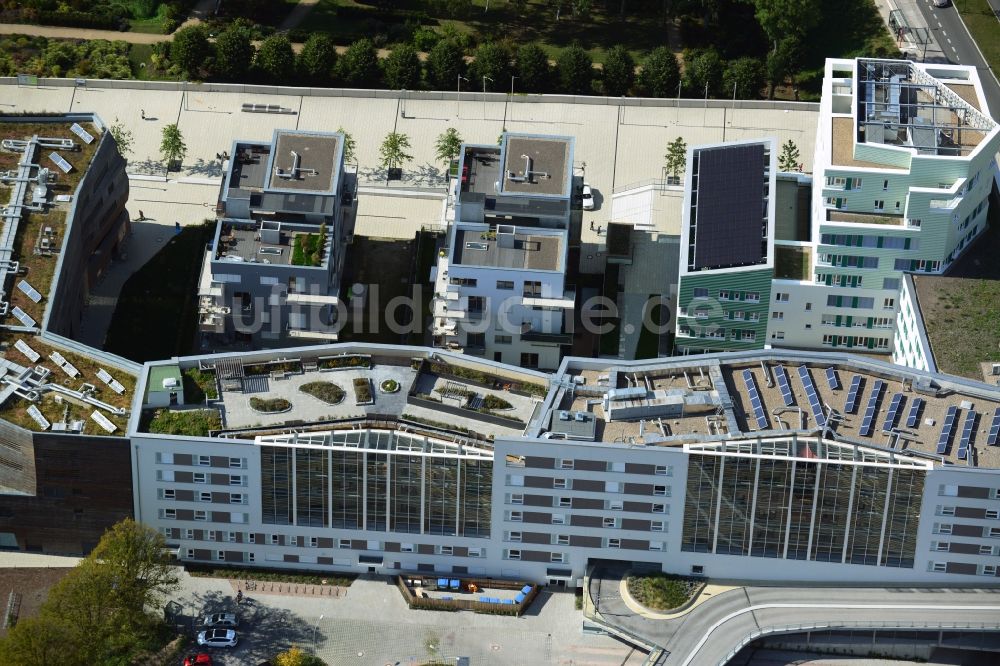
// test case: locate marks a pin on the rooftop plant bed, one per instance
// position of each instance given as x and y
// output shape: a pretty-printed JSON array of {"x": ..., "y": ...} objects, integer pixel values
[
  {"x": 492, "y": 402},
  {"x": 272, "y": 366},
  {"x": 485, "y": 378},
  {"x": 199, "y": 385},
  {"x": 308, "y": 249},
  {"x": 662, "y": 592},
  {"x": 389, "y": 386},
  {"x": 191, "y": 422},
  {"x": 328, "y": 392},
  {"x": 242, "y": 573},
  {"x": 346, "y": 361},
  {"x": 270, "y": 405},
  {"x": 363, "y": 391}
]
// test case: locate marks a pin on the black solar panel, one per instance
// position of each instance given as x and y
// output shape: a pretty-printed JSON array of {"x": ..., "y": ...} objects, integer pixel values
[
  {"x": 893, "y": 414},
  {"x": 866, "y": 422},
  {"x": 967, "y": 429},
  {"x": 730, "y": 210},
  {"x": 851, "y": 405},
  {"x": 914, "y": 415},
  {"x": 991, "y": 440},
  {"x": 810, "y": 389},
  {"x": 946, "y": 428},
  {"x": 760, "y": 416},
  {"x": 786, "y": 390},
  {"x": 832, "y": 379}
]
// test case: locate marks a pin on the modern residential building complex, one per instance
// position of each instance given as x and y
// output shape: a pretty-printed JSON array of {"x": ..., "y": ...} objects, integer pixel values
[
  {"x": 500, "y": 287},
  {"x": 272, "y": 274},
  {"x": 727, "y": 247},
  {"x": 393, "y": 459}
]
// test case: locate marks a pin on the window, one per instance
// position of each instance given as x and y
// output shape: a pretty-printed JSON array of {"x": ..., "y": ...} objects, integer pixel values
[
  {"x": 986, "y": 550},
  {"x": 204, "y": 497},
  {"x": 532, "y": 288},
  {"x": 559, "y": 483},
  {"x": 231, "y": 537},
  {"x": 993, "y": 514},
  {"x": 204, "y": 461},
  {"x": 199, "y": 477},
  {"x": 517, "y": 498},
  {"x": 502, "y": 339},
  {"x": 611, "y": 522},
  {"x": 701, "y": 292},
  {"x": 656, "y": 526},
  {"x": 558, "y": 519},
  {"x": 251, "y": 538},
  {"x": 940, "y": 567},
  {"x": 189, "y": 533},
  {"x": 475, "y": 552},
  {"x": 913, "y": 224},
  {"x": 753, "y": 297},
  {"x": 167, "y": 493},
  {"x": 565, "y": 463},
  {"x": 661, "y": 491},
  {"x": 189, "y": 553},
  {"x": 164, "y": 475},
  {"x": 890, "y": 283},
  {"x": 781, "y": 297},
  {"x": 168, "y": 514},
  {"x": 220, "y": 556},
  {"x": 165, "y": 458},
  {"x": 778, "y": 335},
  {"x": 562, "y": 539},
  {"x": 879, "y": 204},
  {"x": 516, "y": 516},
  {"x": 565, "y": 502},
  {"x": 168, "y": 532},
  {"x": 885, "y": 185},
  {"x": 661, "y": 470},
  {"x": 994, "y": 532},
  {"x": 942, "y": 528},
  {"x": 274, "y": 539},
  {"x": 557, "y": 558},
  {"x": 529, "y": 360},
  {"x": 343, "y": 543},
  {"x": 506, "y": 285},
  {"x": 616, "y": 505},
  {"x": 989, "y": 570},
  {"x": 724, "y": 295},
  {"x": 201, "y": 514},
  {"x": 235, "y": 480},
  {"x": 778, "y": 315},
  {"x": 946, "y": 511},
  {"x": 514, "y": 536},
  {"x": 446, "y": 550},
  {"x": 614, "y": 543},
  {"x": 464, "y": 282},
  {"x": 941, "y": 546},
  {"x": 659, "y": 508},
  {"x": 889, "y": 304},
  {"x": 809, "y": 306},
  {"x": 513, "y": 555},
  {"x": 237, "y": 498},
  {"x": 236, "y": 463},
  {"x": 268, "y": 280},
  {"x": 210, "y": 535}
]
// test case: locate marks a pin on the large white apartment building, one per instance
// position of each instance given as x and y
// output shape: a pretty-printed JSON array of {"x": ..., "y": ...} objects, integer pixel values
[
  {"x": 500, "y": 287},
  {"x": 769, "y": 466},
  {"x": 904, "y": 160}
]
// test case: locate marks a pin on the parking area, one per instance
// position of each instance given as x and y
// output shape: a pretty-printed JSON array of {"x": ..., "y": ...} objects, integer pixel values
[{"x": 371, "y": 624}]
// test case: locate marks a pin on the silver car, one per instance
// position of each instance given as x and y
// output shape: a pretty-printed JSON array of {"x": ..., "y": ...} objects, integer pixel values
[
  {"x": 223, "y": 620},
  {"x": 217, "y": 638},
  {"x": 588, "y": 197}
]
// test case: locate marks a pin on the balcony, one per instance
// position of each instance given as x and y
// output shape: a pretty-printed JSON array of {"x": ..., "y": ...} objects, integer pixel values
[
  {"x": 567, "y": 301},
  {"x": 529, "y": 334}
]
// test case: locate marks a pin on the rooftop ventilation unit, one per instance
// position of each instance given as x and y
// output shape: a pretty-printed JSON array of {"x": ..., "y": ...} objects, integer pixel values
[
  {"x": 169, "y": 382},
  {"x": 564, "y": 415}
]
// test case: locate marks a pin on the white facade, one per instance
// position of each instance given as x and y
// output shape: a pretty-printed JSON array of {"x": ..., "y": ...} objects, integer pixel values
[{"x": 911, "y": 347}]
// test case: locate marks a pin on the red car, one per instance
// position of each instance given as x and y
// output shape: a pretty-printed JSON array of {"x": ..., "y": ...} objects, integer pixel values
[{"x": 200, "y": 659}]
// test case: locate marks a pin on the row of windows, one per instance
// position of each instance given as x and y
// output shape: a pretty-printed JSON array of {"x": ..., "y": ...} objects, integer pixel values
[
  {"x": 198, "y": 477},
  {"x": 847, "y": 260},
  {"x": 856, "y": 322},
  {"x": 562, "y": 519},
  {"x": 720, "y": 334},
  {"x": 917, "y": 265},
  {"x": 951, "y": 490},
  {"x": 609, "y": 505},
  {"x": 981, "y": 570},
  {"x": 164, "y": 458},
  {"x": 561, "y": 483},
  {"x": 857, "y": 341},
  {"x": 202, "y": 515},
  {"x": 203, "y": 496},
  {"x": 948, "y": 510},
  {"x": 945, "y": 546},
  {"x": 564, "y": 539},
  {"x": 946, "y": 528},
  {"x": 702, "y": 313},
  {"x": 866, "y": 240}
]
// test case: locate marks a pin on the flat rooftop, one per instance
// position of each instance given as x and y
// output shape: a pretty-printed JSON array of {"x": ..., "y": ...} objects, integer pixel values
[
  {"x": 537, "y": 165},
  {"x": 522, "y": 249},
  {"x": 481, "y": 169},
  {"x": 303, "y": 161},
  {"x": 248, "y": 168}
]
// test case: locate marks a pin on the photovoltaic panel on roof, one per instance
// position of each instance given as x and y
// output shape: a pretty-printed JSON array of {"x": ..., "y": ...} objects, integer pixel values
[
  {"x": 851, "y": 405},
  {"x": 866, "y": 422},
  {"x": 728, "y": 221},
  {"x": 760, "y": 416},
  {"x": 893, "y": 414},
  {"x": 814, "y": 404},
  {"x": 786, "y": 391},
  {"x": 968, "y": 427},
  {"x": 991, "y": 439},
  {"x": 832, "y": 379},
  {"x": 949, "y": 423},
  {"x": 914, "y": 415}
]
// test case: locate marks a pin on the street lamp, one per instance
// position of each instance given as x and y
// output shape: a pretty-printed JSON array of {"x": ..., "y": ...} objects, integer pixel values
[
  {"x": 485, "y": 79},
  {"x": 510, "y": 98},
  {"x": 458, "y": 92},
  {"x": 315, "y": 627}
]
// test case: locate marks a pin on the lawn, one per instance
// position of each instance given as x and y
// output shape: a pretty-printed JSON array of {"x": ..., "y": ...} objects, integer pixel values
[
  {"x": 649, "y": 341},
  {"x": 157, "y": 310},
  {"x": 190, "y": 422},
  {"x": 791, "y": 263},
  {"x": 199, "y": 385},
  {"x": 384, "y": 267},
  {"x": 985, "y": 29}
]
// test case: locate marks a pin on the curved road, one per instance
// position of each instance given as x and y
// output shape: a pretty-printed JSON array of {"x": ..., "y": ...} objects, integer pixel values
[{"x": 713, "y": 629}]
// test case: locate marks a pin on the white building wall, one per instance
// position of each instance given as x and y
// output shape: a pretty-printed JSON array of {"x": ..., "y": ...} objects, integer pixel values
[{"x": 911, "y": 347}]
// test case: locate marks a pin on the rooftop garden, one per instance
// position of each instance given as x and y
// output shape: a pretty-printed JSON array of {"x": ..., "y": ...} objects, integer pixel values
[
  {"x": 40, "y": 268},
  {"x": 270, "y": 405},
  {"x": 189, "y": 422},
  {"x": 485, "y": 378},
  {"x": 328, "y": 392},
  {"x": 791, "y": 263},
  {"x": 199, "y": 385},
  {"x": 307, "y": 249},
  {"x": 80, "y": 158},
  {"x": 363, "y": 391}
]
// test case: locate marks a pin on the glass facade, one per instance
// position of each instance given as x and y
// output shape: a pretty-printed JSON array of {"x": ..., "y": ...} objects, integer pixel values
[
  {"x": 812, "y": 507},
  {"x": 376, "y": 481}
]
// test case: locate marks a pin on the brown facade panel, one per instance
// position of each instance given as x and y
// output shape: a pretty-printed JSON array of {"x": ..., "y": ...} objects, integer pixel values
[
  {"x": 585, "y": 541},
  {"x": 975, "y": 492},
  {"x": 967, "y": 530},
  {"x": 588, "y": 485},
  {"x": 535, "y": 537},
  {"x": 183, "y": 477},
  {"x": 635, "y": 524},
  {"x": 638, "y": 489},
  {"x": 220, "y": 461},
  {"x": 539, "y": 463},
  {"x": 637, "y": 468},
  {"x": 290, "y": 558},
  {"x": 425, "y": 549},
  {"x": 184, "y": 495},
  {"x": 220, "y": 498},
  {"x": 359, "y": 544},
  {"x": 324, "y": 560},
  {"x": 182, "y": 459},
  {"x": 537, "y": 500},
  {"x": 234, "y": 555},
  {"x": 964, "y": 548},
  {"x": 220, "y": 516},
  {"x": 536, "y": 556},
  {"x": 390, "y": 546},
  {"x": 461, "y": 551},
  {"x": 635, "y": 544},
  {"x": 961, "y": 568},
  {"x": 591, "y": 465},
  {"x": 185, "y": 514},
  {"x": 537, "y": 482},
  {"x": 970, "y": 512},
  {"x": 202, "y": 554},
  {"x": 638, "y": 507},
  {"x": 327, "y": 542},
  {"x": 586, "y": 521},
  {"x": 587, "y": 503},
  {"x": 219, "y": 479},
  {"x": 537, "y": 517}
]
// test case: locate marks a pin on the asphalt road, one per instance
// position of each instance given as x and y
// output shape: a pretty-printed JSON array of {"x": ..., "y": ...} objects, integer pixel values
[{"x": 958, "y": 46}]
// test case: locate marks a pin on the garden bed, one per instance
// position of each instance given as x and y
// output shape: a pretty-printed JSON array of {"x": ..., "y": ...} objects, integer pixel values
[
  {"x": 663, "y": 592},
  {"x": 328, "y": 392},
  {"x": 199, "y": 385},
  {"x": 342, "y": 362},
  {"x": 270, "y": 576},
  {"x": 191, "y": 422},
  {"x": 484, "y": 379},
  {"x": 270, "y": 405},
  {"x": 273, "y": 366},
  {"x": 389, "y": 386},
  {"x": 363, "y": 391}
]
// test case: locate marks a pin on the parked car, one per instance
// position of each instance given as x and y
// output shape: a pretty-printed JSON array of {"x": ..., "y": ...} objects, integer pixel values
[
  {"x": 588, "y": 198},
  {"x": 217, "y": 638},
  {"x": 200, "y": 659},
  {"x": 942, "y": 3},
  {"x": 224, "y": 620}
]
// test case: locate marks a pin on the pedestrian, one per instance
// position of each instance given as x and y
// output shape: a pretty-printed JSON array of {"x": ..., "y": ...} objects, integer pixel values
[
  {"x": 591, "y": 225},
  {"x": 142, "y": 216},
  {"x": 142, "y": 112},
  {"x": 239, "y": 597}
]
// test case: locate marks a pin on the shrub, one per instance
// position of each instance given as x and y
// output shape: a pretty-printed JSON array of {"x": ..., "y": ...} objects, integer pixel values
[
  {"x": 270, "y": 405},
  {"x": 193, "y": 422},
  {"x": 362, "y": 390},
  {"x": 661, "y": 591},
  {"x": 390, "y": 386},
  {"x": 198, "y": 385},
  {"x": 495, "y": 402},
  {"x": 345, "y": 362},
  {"x": 328, "y": 392}
]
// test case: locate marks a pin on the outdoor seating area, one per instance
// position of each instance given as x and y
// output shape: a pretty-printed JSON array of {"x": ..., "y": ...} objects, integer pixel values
[{"x": 502, "y": 597}]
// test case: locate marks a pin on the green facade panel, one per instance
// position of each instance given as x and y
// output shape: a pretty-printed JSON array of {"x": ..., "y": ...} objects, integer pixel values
[{"x": 720, "y": 314}]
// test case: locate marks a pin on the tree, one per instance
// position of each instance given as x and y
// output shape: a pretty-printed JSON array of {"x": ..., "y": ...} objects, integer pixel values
[
  {"x": 296, "y": 656},
  {"x": 402, "y": 68},
  {"x": 788, "y": 160},
  {"x": 747, "y": 74},
  {"x": 234, "y": 51},
  {"x": 348, "y": 145},
  {"x": 619, "y": 71},
  {"x": 449, "y": 143},
  {"x": 782, "y": 60},
  {"x": 576, "y": 71},
  {"x": 445, "y": 63},
  {"x": 317, "y": 58},
  {"x": 122, "y": 136},
  {"x": 660, "y": 73},
  {"x": 533, "y": 70},
  {"x": 780, "y": 19},
  {"x": 704, "y": 69},
  {"x": 275, "y": 58},
  {"x": 676, "y": 159},
  {"x": 359, "y": 65},
  {"x": 190, "y": 49},
  {"x": 393, "y": 151},
  {"x": 132, "y": 555},
  {"x": 492, "y": 60},
  {"x": 172, "y": 145}
]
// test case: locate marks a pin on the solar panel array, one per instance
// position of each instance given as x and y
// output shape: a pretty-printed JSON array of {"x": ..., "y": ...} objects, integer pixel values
[
  {"x": 851, "y": 405},
  {"x": 949, "y": 423},
  {"x": 991, "y": 440},
  {"x": 758, "y": 406},
  {"x": 832, "y": 379},
  {"x": 786, "y": 391},
  {"x": 967, "y": 429},
  {"x": 82, "y": 133},
  {"x": 814, "y": 403},
  {"x": 29, "y": 291},
  {"x": 60, "y": 162},
  {"x": 890, "y": 418},
  {"x": 866, "y": 422},
  {"x": 23, "y": 317},
  {"x": 914, "y": 415}
]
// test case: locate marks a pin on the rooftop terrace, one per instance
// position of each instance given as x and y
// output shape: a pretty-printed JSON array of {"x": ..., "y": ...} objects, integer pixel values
[
  {"x": 481, "y": 169},
  {"x": 270, "y": 243},
  {"x": 508, "y": 247},
  {"x": 305, "y": 161},
  {"x": 536, "y": 165}
]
